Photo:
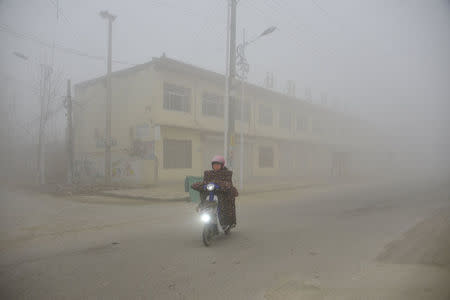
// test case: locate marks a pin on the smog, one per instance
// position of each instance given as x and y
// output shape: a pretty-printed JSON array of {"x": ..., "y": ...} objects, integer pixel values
[{"x": 319, "y": 131}]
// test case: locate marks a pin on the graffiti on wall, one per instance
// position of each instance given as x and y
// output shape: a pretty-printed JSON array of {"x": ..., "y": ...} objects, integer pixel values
[
  {"x": 143, "y": 131},
  {"x": 142, "y": 146},
  {"x": 90, "y": 169},
  {"x": 87, "y": 169},
  {"x": 143, "y": 150},
  {"x": 100, "y": 139},
  {"x": 123, "y": 168}
]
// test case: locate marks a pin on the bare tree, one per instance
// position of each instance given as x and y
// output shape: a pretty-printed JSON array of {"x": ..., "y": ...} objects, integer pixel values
[{"x": 21, "y": 129}]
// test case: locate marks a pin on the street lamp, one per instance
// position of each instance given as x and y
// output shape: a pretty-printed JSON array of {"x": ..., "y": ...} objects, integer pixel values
[
  {"x": 268, "y": 31},
  {"x": 244, "y": 68},
  {"x": 44, "y": 94},
  {"x": 242, "y": 60},
  {"x": 20, "y": 55}
]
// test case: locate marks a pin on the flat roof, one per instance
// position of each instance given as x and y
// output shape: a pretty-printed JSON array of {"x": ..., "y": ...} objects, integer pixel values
[{"x": 169, "y": 64}]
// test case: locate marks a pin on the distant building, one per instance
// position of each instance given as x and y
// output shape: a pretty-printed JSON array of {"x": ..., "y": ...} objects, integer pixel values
[{"x": 167, "y": 122}]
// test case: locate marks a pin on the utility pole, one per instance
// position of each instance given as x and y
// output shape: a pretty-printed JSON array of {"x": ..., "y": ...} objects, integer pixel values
[
  {"x": 44, "y": 98},
  {"x": 230, "y": 74},
  {"x": 110, "y": 18},
  {"x": 68, "y": 105},
  {"x": 244, "y": 70}
]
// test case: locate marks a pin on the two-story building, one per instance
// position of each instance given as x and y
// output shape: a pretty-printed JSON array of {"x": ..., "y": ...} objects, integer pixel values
[{"x": 168, "y": 121}]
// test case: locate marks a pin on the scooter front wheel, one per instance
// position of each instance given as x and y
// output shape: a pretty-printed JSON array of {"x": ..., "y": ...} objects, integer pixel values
[{"x": 207, "y": 235}]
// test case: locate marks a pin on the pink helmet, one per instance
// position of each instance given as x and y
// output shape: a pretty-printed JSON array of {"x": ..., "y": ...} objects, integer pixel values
[{"x": 218, "y": 159}]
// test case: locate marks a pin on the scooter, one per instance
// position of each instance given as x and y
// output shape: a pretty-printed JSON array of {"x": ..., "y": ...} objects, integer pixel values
[{"x": 209, "y": 215}]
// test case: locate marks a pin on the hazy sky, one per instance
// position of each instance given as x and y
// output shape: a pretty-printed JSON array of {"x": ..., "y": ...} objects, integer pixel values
[{"x": 386, "y": 60}]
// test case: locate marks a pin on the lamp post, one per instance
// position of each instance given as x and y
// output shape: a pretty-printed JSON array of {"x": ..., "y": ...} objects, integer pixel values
[
  {"x": 229, "y": 117},
  {"x": 44, "y": 95},
  {"x": 110, "y": 18},
  {"x": 244, "y": 68}
]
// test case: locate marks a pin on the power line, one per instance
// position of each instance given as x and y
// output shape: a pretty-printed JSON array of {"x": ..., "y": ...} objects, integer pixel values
[
  {"x": 292, "y": 20},
  {"x": 51, "y": 100},
  {"x": 27, "y": 85},
  {"x": 161, "y": 4},
  {"x": 26, "y": 125},
  {"x": 27, "y": 36},
  {"x": 321, "y": 8},
  {"x": 23, "y": 82},
  {"x": 188, "y": 12},
  {"x": 294, "y": 38},
  {"x": 60, "y": 12},
  {"x": 206, "y": 27}
]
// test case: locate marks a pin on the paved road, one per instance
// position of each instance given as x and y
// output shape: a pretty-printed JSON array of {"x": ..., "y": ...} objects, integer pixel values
[{"x": 310, "y": 243}]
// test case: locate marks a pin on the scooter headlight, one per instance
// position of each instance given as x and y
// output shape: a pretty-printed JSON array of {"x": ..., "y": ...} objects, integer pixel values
[
  {"x": 206, "y": 218},
  {"x": 210, "y": 187}
]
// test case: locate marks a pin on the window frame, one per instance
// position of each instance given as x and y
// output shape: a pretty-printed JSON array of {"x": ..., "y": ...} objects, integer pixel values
[
  {"x": 304, "y": 122},
  {"x": 173, "y": 90},
  {"x": 263, "y": 161},
  {"x": 209, "y": 99},
  {"x": 237, "y": 111},
  {"x": 282, "y": 118},
  {"x": 261, "y": 116}
]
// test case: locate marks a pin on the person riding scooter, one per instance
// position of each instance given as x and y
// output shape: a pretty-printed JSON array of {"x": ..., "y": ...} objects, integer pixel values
[{"x": 227, "y": 193}]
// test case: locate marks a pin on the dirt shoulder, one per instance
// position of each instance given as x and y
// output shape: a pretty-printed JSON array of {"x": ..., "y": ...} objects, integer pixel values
[
  {"x": 427, "y": 243},
  {"x": 416, "y": 266}
]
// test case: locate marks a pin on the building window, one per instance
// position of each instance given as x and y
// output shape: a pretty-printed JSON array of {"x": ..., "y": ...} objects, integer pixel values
[
  {"x": 212, "y": 105},
  {"x": 177, "y": 98},
  {"x": 177, "y": 154},
  {"x": 317, "y": 127},
  {"x": 265, "y": 115},
  {"x": 302, "y": 123},
  {"x": 237, "y": 110},
  {"x": 266, "y": 157},
  {"x": 285, "y": 119},
  {"x": 327, "y": 128},
  {"x": 336, "y": 130}
]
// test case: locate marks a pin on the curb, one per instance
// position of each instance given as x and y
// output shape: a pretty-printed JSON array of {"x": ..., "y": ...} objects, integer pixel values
[
  {"x": 153, "y": 199},
  {"x": 187, "y": 198}
]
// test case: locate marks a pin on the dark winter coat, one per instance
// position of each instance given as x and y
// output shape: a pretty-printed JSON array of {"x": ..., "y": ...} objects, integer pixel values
[{"x": 226, "y": 194}]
